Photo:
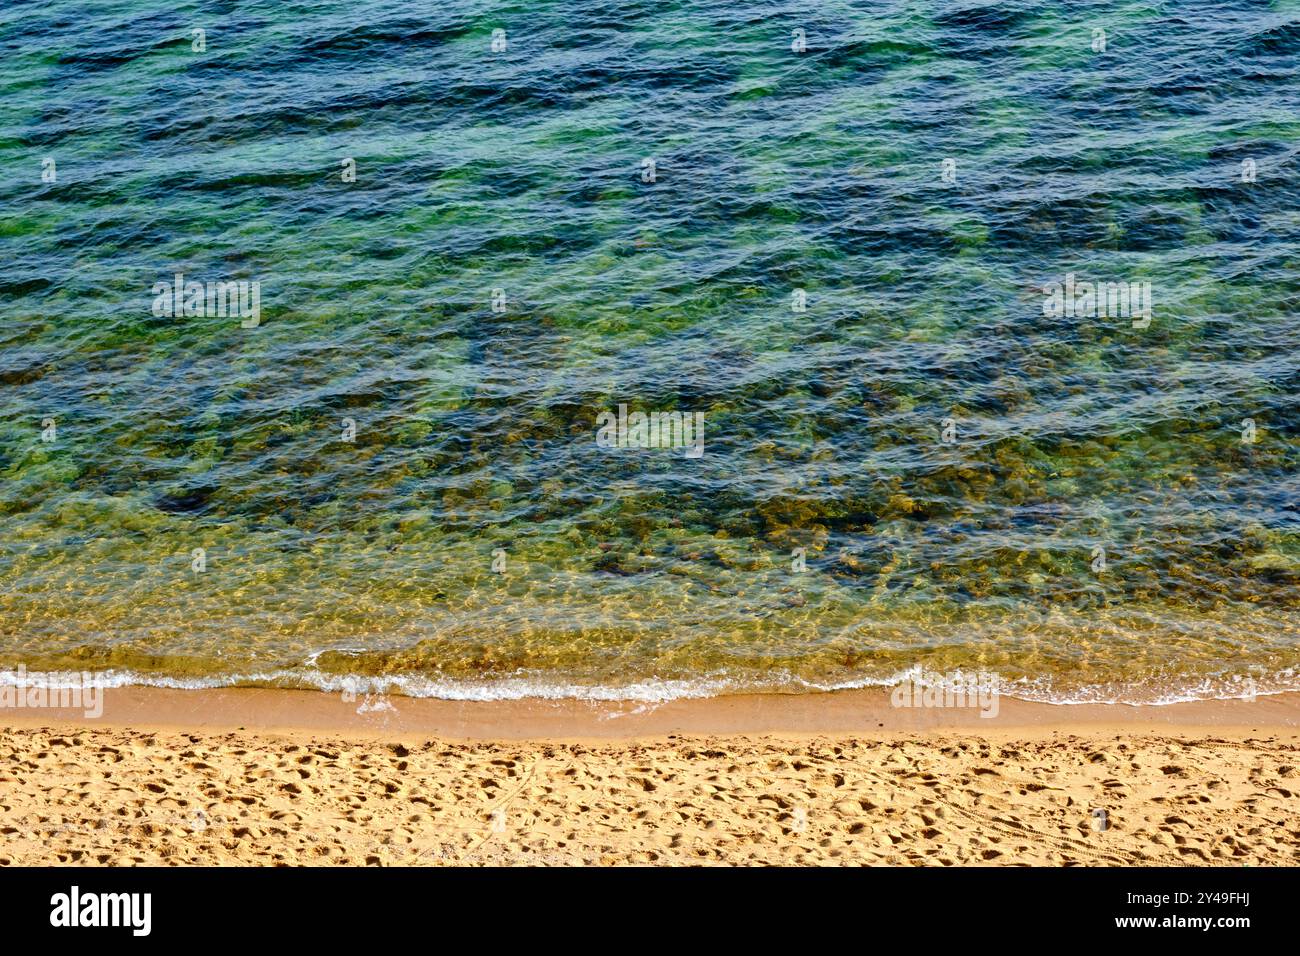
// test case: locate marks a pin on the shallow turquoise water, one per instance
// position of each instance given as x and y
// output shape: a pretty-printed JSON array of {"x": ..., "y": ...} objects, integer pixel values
[{"x": 644, "y": 572}]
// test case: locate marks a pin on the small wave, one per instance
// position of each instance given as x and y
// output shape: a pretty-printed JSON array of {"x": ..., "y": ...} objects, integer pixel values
[{"x": 664, "y": 690}]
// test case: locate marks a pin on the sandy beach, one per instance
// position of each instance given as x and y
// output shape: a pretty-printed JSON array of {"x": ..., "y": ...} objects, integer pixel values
[{"x": 268, "y": 777}]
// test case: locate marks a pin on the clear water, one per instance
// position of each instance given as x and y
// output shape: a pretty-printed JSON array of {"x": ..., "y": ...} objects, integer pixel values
[{"x": 644, "y": 572}]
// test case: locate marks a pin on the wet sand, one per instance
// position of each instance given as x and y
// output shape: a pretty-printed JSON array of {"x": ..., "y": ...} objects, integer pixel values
[{"x": 841, "y": 712}]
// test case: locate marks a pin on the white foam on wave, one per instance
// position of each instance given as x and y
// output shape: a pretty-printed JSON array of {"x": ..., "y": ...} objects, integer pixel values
[{"x": 663, "y": 690}]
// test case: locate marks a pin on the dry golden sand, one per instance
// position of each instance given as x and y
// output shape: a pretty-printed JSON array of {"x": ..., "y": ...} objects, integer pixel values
[{"x": 1026, "y": 794}]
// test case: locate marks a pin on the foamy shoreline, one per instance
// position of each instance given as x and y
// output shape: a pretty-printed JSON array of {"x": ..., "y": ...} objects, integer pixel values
[
  {"x": 866, "y": 710},
  {"x": 525, "y": 686}
]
